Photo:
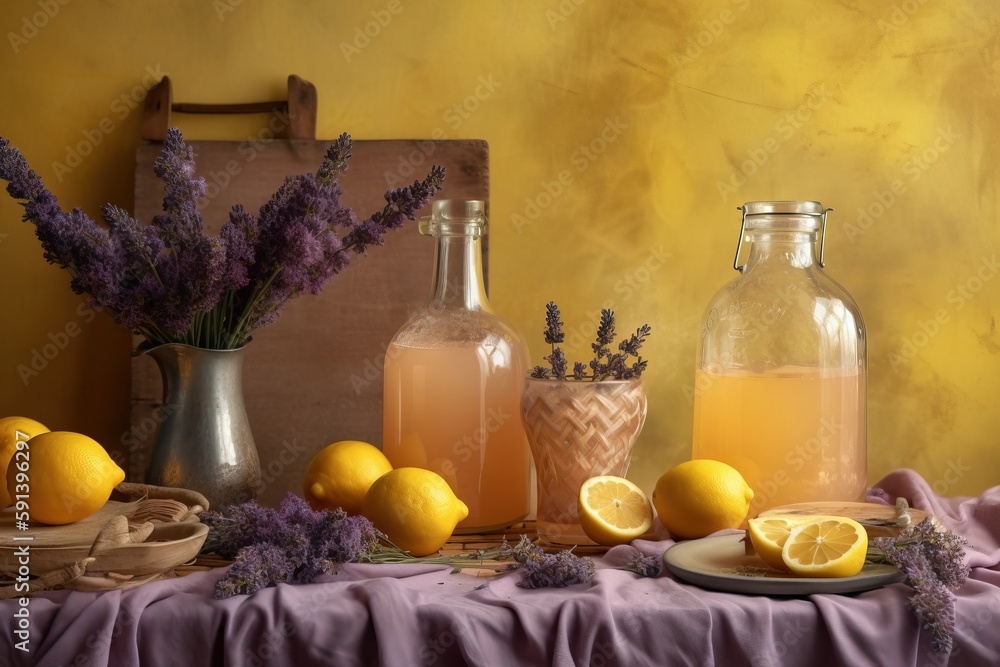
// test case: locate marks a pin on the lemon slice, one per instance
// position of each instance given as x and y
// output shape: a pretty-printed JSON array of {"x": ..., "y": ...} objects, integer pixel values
[
  {"x": 828, "y": 547},
  {"x": 613, "y": 510},
  {"x": 769, "y": 534}
]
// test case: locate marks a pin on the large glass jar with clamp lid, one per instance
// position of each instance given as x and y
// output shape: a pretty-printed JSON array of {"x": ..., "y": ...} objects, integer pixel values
[{"x": 780, "y": 378}]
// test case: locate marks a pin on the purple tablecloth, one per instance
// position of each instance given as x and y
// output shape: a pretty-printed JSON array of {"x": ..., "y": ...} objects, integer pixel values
[{"x": 402, "y": 615}]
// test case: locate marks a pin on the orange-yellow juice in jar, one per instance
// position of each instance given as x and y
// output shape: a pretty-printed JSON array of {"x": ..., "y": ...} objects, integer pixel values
[{"x": 813, "y": 449}]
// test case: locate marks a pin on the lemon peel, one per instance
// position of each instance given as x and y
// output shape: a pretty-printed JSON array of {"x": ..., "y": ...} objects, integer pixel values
[
  {"x": 340, "y": 474},
  {"x": 415, "y": 508},
  {"x": 70, "y": 477},
  {"x": 698, "y": 497}
]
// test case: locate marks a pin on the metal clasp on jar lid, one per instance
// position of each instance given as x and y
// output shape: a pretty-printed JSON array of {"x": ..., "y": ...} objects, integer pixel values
[{"x": 778, "y": 208}]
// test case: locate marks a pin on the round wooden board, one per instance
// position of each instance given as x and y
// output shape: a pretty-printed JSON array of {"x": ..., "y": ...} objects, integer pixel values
[
  {"x": 141, "y": 533},
  {"x": 878, "y": 520}
]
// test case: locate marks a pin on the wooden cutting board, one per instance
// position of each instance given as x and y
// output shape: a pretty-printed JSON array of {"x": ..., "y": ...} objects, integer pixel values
[
  {"x": 315, "y": 375},
  {"x": 878, "y": 520}
]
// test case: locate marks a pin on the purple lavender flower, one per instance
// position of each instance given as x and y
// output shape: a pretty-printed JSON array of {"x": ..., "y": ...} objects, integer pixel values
[
  {"x": 558, "y": 361},
  {"x": 298, "y": 249},
  {"x": 637, "y": 369},
  {"x": 355, "y": 538},
  {"x": 615, "y": 366},
  {"x": 366, "y": 233},
  {"x": 402, "y": 203},
  {"x": 297, "y": 510},
  {"x": 933, "y": 603},
  {"x": 540, "y": 372},
  {"x": 171, "y": 283},
  {"x": 337, "y": 157},
  {"x": 553, "y": 326},
  {"x": 69, "y": 240},
  {"x": 542, "y": 570},
  {"x": 175, "y": 165},
  {"x": 945, "y": 552},
  {"x": 631, "y": 346},
  {"x": 605, "y": 336},
  {"x": 605, "y": 333},
  {"x": 933, "y": 561},
  {"x": 644, "y": 566},
  {"x": 241, "y": 525},
  {"x": 604, "y": 364},
  {"x": 935, "y": 607},
  {"x": 239, "y": 237},
  {"x": 257, "y": 566},
  {"x": 334, "y": 534},
  {"x": 140, "y": 248},
  {"x": 305, "y": 542}
]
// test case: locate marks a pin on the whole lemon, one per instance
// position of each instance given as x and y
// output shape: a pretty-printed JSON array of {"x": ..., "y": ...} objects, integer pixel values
[
  {"x": 9, "y": 427},
  {"x": 415, "y": 508},
  {"x": 70, "y": 477},
  {"x": 701, "y": 496},
  {"x": 340, "y": 474}
]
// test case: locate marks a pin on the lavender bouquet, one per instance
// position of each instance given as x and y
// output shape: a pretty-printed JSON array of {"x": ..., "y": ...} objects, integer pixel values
[
  {"x": 605, "y": 364},
  {"x": 171, "y": 283}
]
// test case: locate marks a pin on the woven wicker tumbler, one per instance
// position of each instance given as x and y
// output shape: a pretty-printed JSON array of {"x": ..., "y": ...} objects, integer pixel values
[{"x": 577, "y": 430}]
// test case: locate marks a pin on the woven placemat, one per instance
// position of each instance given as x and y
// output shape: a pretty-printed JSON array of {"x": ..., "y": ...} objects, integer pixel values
[{"x": 457, "y": 545}]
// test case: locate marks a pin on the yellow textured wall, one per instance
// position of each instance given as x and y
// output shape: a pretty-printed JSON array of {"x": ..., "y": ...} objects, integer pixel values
[{"x": 623, "y": 135}]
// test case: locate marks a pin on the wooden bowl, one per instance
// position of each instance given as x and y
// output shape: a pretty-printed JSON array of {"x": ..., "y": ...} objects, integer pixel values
[{"x": 142, "y": 533}]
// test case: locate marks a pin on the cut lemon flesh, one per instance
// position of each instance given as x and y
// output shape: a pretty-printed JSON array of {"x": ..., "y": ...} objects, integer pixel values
[
  {"x": 613, "y": 510},
  {"x": 769, "y": 534},
  {"x": 829, "y": 547}
]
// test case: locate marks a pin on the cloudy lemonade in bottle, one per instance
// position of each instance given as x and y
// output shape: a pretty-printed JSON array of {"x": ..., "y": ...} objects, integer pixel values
[
  {"x": 453, "y": 413},
  {"x": 454, "y": 374}
]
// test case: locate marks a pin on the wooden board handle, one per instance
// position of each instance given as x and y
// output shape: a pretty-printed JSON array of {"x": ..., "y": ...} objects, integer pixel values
[{"x": 300, "y": 106}]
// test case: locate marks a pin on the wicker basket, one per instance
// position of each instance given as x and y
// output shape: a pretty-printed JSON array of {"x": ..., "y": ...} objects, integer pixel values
[{"x": 578, "y": 430}]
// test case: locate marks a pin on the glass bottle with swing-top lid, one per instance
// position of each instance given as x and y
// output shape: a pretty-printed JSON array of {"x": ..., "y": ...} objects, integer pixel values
[{"x": 454, "y": 374}]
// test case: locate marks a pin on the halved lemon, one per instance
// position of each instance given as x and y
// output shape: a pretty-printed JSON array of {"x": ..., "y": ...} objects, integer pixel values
[
  {"x": 769, "y": 534},
  {"x": 828, "y": 547},
  {"x": 613, "y": 510}
]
